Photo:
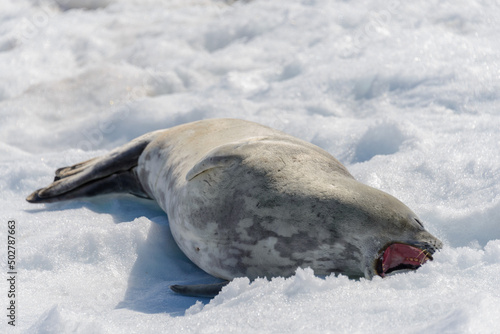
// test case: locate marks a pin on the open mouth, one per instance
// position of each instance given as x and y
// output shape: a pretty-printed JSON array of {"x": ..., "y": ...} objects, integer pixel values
[{"x": 399, "y": 257}]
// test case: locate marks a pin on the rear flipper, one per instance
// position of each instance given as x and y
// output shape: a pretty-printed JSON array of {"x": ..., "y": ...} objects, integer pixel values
[
  {"x": 200, "y": 290},
  {"x": 114, "y": 172}
]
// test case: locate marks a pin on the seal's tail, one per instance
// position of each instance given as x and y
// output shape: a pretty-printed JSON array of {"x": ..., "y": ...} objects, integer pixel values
[{"x": 114, "y": 172}]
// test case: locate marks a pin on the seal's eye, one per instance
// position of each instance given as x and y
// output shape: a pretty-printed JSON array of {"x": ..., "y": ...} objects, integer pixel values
[{"x": 419, "y": 222}]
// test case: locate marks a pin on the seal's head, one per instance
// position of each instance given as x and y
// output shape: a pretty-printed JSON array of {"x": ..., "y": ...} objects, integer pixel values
[
  {"x": 394, "y": 239},
  {"x": 407, "y": 253}
]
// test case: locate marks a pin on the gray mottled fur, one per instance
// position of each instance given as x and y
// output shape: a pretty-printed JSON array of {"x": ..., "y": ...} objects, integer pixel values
[{"x": 246, "y": 200}]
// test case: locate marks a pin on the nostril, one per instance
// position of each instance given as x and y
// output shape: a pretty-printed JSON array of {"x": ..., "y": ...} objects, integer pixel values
[
  {"x": 438, "y": 245},
  {"x": 435, "y": 245}
]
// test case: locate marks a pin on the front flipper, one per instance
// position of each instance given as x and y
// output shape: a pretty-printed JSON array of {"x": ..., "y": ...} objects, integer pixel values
[
  {"x": 220, "y": 157},
  {"x": 199, "y": 290}
]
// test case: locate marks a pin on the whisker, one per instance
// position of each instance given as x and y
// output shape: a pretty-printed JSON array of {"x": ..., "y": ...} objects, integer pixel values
[{"x": 426, "y": 253}]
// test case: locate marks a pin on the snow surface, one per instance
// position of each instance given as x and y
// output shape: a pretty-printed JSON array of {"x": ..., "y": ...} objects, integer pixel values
[{"x": 405, "y": 94}]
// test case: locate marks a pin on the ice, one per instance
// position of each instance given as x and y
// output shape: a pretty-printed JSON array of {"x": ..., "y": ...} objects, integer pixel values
[{"x": 404, "y": 94}]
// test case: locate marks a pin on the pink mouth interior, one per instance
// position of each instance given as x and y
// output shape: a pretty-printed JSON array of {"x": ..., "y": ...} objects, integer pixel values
[{"x": 399, "y": 257}]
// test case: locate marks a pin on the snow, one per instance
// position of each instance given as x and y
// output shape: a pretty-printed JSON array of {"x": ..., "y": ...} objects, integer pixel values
[{"x": 405, "y": 94}]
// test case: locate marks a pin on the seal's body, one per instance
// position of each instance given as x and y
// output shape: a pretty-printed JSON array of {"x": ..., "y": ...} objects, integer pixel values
[{"x": 246, "y": 200}]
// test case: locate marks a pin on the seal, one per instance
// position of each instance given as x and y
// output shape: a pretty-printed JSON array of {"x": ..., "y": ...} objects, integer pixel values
[{"x": 245, "y": 200}]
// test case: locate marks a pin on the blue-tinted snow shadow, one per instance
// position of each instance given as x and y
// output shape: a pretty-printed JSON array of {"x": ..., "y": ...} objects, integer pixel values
[
  {"x": 159, "y": 264},
  {"x": 479, "y": 227},
  {"x": 125, "y": 208},
  {"x": 122, "y": 208}
]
